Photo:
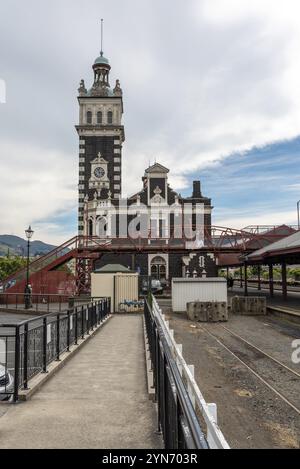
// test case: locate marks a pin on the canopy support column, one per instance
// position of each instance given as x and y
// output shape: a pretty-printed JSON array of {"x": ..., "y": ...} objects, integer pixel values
[
  {"x": 271, "y": 282},
  {"x": 259, "y": 277},
  {"x": 284, "y": 280},
  {"x": 246, "y": 278}
]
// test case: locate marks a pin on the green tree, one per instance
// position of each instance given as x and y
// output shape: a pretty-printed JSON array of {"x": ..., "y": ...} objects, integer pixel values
[{"x": 294, "y": 273}]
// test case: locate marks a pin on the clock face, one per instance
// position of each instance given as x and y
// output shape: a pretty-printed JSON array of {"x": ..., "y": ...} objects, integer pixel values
[{"x": 99, "y": 172}]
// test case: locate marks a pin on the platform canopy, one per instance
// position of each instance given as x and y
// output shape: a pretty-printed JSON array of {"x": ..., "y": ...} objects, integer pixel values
[{"x": 286, "y": 249}]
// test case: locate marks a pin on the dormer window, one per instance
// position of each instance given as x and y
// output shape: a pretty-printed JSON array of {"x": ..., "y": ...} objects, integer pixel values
[
  {"x": 89, "y": 117},
  {"x": 99, "y": 117},
  {"x": 109, "y": 117}
]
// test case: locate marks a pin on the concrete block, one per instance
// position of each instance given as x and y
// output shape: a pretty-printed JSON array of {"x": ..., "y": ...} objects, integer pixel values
[
  {"x": 249, "y": 305},
  {"x": 207, "y": 311}
]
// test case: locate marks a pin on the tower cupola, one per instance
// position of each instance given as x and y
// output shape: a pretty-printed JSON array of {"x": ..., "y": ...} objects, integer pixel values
[{"x": 101, "y": 69}]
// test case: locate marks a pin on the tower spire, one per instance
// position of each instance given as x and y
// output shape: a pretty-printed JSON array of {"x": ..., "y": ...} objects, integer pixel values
[{"x": 101, "y": 52}]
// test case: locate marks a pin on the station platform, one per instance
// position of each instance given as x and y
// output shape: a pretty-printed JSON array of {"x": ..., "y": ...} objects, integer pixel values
[{"x": 276, "y": 304}]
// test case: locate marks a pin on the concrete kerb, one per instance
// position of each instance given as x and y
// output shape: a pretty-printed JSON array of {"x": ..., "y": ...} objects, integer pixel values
[
  {"x": 149, "y": 371},
  {"x": 38, "y": 381},
  {"x": 284, "y": 313}
]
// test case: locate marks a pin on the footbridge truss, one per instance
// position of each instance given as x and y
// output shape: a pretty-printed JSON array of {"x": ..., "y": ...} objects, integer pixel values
[{"x": 84, "y": 250}]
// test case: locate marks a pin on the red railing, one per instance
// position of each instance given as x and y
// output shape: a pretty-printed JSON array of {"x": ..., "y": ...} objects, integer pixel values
[{"x": 215, "y": 238}]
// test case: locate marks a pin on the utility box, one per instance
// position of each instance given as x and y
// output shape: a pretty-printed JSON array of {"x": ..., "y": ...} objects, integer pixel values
[
  {"x": 118, "y": 283},
  {"x": 200, "y": 290}
]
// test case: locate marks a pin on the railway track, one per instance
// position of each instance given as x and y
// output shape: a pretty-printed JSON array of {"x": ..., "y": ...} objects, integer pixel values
[{"x": 274, "y": 374}]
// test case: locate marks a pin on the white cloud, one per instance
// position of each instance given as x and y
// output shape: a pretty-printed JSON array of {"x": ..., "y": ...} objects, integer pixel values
[
  {"x": 36, "y": 184},
  {"x": 293, "y": 187},
  {"x": 238, "y": 86},
  {"x": 239, "y": 220}
]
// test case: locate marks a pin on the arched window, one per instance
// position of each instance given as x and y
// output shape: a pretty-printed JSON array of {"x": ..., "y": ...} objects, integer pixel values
[
  {"x": 158, "y": 268},
  {"x": 109, "y": 117},
  {"x": 89, "y": 117},
  {"x": 99, "y": 117}
]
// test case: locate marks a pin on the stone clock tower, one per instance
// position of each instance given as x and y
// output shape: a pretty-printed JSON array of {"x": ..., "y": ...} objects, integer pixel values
[{"x": 101, "y": 135}]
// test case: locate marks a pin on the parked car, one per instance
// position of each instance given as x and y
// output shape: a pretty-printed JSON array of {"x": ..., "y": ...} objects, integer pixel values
[{"x": 6, "y": 384}]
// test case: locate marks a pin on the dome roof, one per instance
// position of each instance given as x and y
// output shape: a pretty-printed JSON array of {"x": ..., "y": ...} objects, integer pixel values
[{"x": 101, "y": 60}]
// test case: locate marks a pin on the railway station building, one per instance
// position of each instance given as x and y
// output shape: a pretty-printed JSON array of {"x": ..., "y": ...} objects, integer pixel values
[{"x": 155, "y": 211}]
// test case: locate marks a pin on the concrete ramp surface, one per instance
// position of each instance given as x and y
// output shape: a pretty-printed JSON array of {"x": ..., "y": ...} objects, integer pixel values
[{"x": 98, "y": 400}]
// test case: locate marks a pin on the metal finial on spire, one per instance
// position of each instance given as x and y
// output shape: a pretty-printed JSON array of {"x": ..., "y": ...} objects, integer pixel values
[{"x": 101, "y": 53}]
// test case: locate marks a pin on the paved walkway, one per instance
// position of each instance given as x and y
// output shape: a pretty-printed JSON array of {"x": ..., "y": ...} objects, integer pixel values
[{"x": 98, "y": 400}]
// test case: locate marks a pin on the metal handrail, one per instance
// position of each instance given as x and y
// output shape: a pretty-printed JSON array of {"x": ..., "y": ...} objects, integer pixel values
[
  {"x": 52, "y": 313},
  {"x": 186, "y": 404},
  {"x": 37, "y": 294},
  {"x": 53, "y": 334},
  {"x": 176, "y": 416},
  {"x": 214, "y": 435}
]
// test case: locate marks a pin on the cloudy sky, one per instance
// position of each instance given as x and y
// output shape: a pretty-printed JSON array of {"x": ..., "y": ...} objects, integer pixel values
[{"x": 211, "y": 90}]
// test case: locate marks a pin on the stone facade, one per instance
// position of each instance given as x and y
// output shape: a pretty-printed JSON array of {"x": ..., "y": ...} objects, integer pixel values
[{"x": 101, "y": 136}]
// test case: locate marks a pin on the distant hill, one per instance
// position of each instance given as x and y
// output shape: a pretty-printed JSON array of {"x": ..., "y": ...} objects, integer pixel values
[{"x": 18, "y": 246}]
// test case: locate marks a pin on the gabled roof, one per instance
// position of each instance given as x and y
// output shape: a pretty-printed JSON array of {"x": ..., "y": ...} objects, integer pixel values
[
  {"x": 157, "y": 168},
  {"x": 260, "y": 240},
  {"x": 113, "y": 268}
]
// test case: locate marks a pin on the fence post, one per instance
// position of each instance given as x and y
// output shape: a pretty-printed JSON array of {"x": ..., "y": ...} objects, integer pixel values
[
  {"x": 210, "y": 439},
  {"x": 45, "y": 345},
  {"x": 92, "y": 316},
  {"x": 25, "y": 364},
  {"x": 82, "y": 322},
  {"x": 68, "y": 331},
  {"x": 97, "y": 313},
  {"x": 88, "y": 313},
  {"x": 17, "y": 364},
  {"x": 102, "y": 305},
  {"x": 57, "y": 337},
  {"x": 157, "y": 381}
]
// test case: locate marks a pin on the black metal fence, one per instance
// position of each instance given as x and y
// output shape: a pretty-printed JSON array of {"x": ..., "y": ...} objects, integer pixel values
[
  {"x": 27, "y": 348},
  {"x": 177, "y": 419},
  {"x": 38, "y": 302}
]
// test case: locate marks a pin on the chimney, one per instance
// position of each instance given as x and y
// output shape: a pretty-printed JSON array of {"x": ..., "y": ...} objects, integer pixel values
[{"x": 197, "y": 190}]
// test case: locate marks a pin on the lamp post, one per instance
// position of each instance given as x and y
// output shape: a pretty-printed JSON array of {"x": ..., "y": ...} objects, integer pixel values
[
  {"x": 298, "y": 212},
  {"x": 29, "y": 233}
]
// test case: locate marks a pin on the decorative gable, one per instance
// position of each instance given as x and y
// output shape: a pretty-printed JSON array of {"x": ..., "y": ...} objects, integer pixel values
[
  {"x": 157, "y": 168},
  {"x": 99, "y": 160},
  {"x": 157, "y": 198}
]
